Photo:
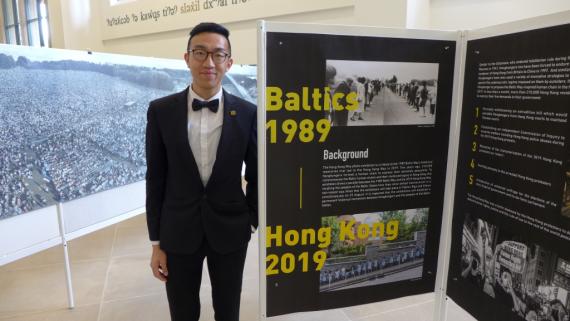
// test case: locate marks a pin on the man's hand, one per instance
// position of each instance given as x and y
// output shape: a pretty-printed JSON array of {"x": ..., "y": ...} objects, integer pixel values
[{"x": 158, "y": 263}]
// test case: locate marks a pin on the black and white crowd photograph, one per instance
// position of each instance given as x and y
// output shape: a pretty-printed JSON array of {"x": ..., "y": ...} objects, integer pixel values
[
  {"x": 72, "y": 123},
  {"x": 388, "y": 93},
  {"x": 565, "y": 208},
  {"x": 387, "y": 247},
  {"x": 531, "y": 280}
]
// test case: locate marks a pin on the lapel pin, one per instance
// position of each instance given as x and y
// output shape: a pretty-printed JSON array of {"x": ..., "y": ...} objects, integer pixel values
[{"x": 233, "y": 112}]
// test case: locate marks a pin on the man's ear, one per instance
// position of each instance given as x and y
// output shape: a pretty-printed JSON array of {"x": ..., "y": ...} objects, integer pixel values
[
  {"x": 229, "y": 63},
  {"x": 187, "y": 59}
]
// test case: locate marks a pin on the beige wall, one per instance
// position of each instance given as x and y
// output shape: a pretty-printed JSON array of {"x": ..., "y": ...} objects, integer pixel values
[
  {"x": 80, "y": 21},
  {"x": 55, "y": 24},
  {"x": 418, "y": 15},
  {"x": 468, "y": 14}
]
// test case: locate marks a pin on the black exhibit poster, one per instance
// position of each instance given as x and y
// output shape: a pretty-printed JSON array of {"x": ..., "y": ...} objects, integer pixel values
[
  {"x": 357, "y": 131},
  {"x": 511, "y": 217}
]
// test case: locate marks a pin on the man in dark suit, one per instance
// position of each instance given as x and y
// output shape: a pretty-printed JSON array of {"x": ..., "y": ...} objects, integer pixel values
[{"x": 196, "y": 143}]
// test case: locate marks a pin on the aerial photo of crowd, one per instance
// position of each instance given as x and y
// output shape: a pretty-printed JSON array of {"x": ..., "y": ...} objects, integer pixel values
[{"x": 69, "y": 129}]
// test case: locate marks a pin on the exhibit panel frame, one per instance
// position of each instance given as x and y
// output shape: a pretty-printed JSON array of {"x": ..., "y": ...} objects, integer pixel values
[
  {"x": 441, "y": 300},
  {"x": 28, "y": 234},
  {"x": 41, "y": 229},
  {"x": 520, "y": 225},
  {"x": 101, "y": 208},
  {"x": 340, "y": 31}
]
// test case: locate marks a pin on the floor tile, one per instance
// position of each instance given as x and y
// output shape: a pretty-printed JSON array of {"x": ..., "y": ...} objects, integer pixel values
[
  {"x": 44, "y": 288},
  {"x": 131, "y": 276},
  {"x": 93, "y": 246},
  {"x": 144, "y": 308},
  {"x": 85, "y": 313},
  {"x": 131, "y": 240},
  {"x": 51, "y": 256},
  {"x": 136, "y": 221},
  {"x": 249, "y": 310},
  {"x": 361, "y": 311},
  {"x": 419, "y": 312},
  {"x": 328, "y": 315}
]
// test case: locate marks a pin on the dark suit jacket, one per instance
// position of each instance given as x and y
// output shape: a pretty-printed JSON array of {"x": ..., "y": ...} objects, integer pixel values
[{"x": 181, "y": 211}]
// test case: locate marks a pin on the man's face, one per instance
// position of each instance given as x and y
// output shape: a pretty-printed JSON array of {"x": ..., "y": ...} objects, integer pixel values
[{"x": 206, "y": 75}]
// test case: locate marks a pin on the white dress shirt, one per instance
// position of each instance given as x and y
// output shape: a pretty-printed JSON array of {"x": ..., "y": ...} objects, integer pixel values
[{"x": 204, "y": 131}]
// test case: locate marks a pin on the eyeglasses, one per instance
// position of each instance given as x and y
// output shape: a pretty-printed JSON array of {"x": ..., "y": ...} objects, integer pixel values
[{"x": 219, "y": 57}]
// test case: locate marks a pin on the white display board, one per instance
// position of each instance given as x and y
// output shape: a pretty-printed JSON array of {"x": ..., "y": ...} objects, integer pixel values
[
  {"x": 88, "y": 213},
  {"x": 25, "y": 235}
]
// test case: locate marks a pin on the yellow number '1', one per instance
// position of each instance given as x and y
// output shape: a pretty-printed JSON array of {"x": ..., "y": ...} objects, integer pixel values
[
  {"x": 305, "y": 127},
  {"x": 272, "y": 126}
]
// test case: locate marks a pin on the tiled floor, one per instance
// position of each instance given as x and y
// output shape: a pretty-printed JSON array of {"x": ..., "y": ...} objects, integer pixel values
[{"x": 113, "y": 282}]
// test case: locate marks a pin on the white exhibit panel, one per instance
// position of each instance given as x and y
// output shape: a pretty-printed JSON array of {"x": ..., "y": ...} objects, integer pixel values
[
  {"x": 25, "y": 235},
  {"x": 261, "y": 168},
  {"x": 353, "y": 156},
  {"x": 446, "y": 224},
  {"x": 104, "y": 206}
]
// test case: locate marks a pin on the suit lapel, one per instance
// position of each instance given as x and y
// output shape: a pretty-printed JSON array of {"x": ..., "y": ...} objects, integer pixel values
[
  {"x": 227, "y": 130},
  {"x": 181, "y": 121}
]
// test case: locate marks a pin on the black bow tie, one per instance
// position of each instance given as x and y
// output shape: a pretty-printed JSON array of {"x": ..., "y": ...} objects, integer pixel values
[{"x": 199, "y": 104}]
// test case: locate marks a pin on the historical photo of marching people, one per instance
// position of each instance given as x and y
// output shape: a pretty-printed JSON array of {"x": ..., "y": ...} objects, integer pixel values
[
  {"x": 388, "y": 93},
  {"x": 72, "y": 123},
  {"x": 531, "y": 280},
  {"x": 374, "y": 248}
]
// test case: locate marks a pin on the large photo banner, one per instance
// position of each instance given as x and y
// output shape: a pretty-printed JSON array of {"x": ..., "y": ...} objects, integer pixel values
[
  {"x": 357, "y": 129},
  {"x": 72, "y": 122},
  {"x": 511, "y": 219}
]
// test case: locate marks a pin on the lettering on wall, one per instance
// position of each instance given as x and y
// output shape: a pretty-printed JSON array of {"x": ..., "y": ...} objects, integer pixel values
[{"x": 168, "y": 11}]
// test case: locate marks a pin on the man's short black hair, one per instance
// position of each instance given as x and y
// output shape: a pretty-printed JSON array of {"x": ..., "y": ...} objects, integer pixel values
[{"x": 210, "y": 27}]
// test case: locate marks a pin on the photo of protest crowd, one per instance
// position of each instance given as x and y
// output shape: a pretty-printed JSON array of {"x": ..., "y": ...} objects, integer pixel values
[
  {"x": 71, "y": 127},
  {"x": 388, "y": 93},
  {"x": 531, "y": 280}
]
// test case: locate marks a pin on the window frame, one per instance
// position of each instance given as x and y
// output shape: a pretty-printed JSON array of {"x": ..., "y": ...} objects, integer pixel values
[
  {"x": 39, "y": 19},
  {"x": 15, "y": 22},
  {"x": 25, "y": 29}
]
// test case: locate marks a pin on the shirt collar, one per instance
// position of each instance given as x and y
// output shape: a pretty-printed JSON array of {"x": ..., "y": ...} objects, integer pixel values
[{"x": 193, "y": 95}]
